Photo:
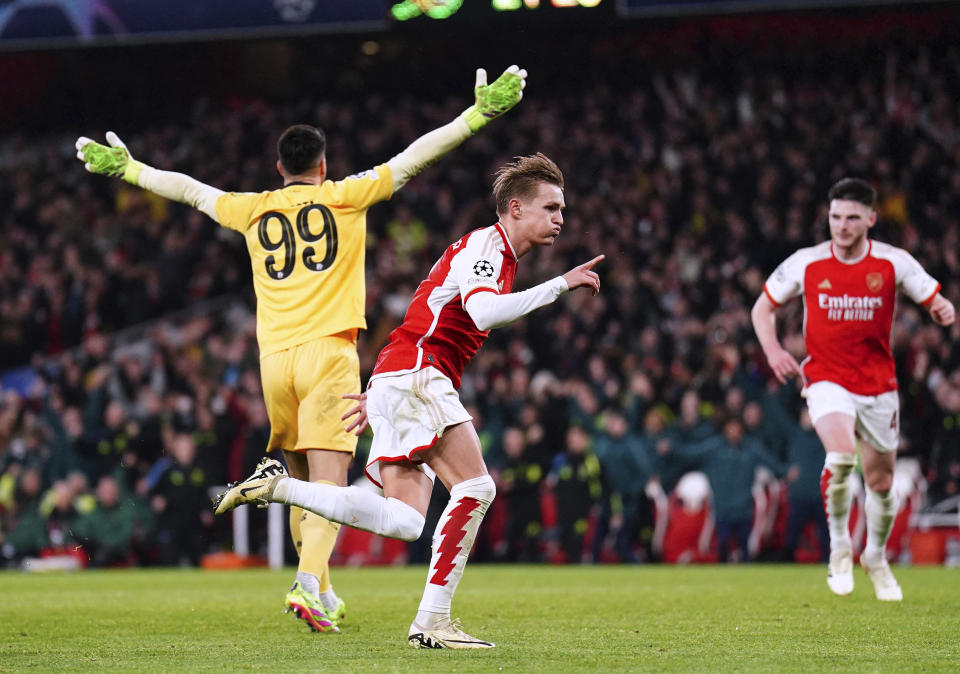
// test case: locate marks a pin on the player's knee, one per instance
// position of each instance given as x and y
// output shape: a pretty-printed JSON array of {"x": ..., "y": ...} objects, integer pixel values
[
  {"x": 881, "y": 482},
  {"x": 481, "y": 488},
  {"x": 837, "y": 467},
  {"x": 407, "y": 521},
  {"x": 490, "y": 490}
]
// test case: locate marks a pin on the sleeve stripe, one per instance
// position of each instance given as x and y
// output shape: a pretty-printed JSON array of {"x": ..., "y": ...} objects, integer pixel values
[
  {"x": 769, "y": 296},
  {"x": 480, "y": 289},
  {"x": 927, "y": 301}
]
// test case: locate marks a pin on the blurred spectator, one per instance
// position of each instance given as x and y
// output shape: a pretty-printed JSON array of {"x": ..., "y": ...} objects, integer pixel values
[
  {"x": 690, "y": 428},
  {"x": 805, "y": 457},
  {"x": 577, "y": 485},
  {"x": 730, "y": 462},
  {"x": 27, "y": 524},
  {"x": 627, "y": 467},
  {"x": 520, "y": 485},
  {"x": 178, "y": 496},
  {"x": 108, "y": 531},
  {"x": 944, "y": 471}
]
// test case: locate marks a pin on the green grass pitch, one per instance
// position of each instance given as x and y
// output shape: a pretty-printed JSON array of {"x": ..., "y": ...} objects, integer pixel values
[{"x": 543, "y": 619}]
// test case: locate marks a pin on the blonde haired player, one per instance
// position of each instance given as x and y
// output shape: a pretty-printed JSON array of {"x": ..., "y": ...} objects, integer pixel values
[
  {"x": 849, "y": 287},
  {"x": 420, "y": 428},
  {"x": 307, "y": 243}
]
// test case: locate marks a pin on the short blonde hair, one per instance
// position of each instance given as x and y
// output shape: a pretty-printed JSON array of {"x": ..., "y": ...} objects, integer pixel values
[{"x": 519, "y": 179}]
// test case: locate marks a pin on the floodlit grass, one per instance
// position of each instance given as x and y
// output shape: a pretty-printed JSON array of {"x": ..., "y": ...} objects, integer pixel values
[{"x": 543, "y": 619}]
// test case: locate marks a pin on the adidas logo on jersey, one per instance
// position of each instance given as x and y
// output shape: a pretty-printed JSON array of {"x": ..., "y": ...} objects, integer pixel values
[{"x": 825, "y": 285}]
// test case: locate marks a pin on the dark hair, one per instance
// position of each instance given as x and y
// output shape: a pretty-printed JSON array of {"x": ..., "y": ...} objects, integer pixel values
[
  {"x": 301, "y": 147},
  {"x": 854, "y": 189},
  {"x": 520, "y": 177}
]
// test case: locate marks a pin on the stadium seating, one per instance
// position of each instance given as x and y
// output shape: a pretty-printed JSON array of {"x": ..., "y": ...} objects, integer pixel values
[{"x": 125, "y": 320}]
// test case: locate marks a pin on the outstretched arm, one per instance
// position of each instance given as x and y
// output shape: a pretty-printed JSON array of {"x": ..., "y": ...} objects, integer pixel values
[
  {"x": 115, "y": 160},
  {"x": 490, "y": 310},
  {"x": 491, "y": 101},
  {"x": 764, "y": 324}
]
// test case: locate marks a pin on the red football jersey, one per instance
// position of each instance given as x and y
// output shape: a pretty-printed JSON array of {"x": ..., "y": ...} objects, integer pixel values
[
  {"x": 848, "y": 311},
  {"x": 437, "y": 331}
]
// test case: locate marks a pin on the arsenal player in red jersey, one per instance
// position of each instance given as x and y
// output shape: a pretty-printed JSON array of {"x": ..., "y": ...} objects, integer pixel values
[
  {"x": 849, "y": 287},
  {"x": 420, "y": 428}
]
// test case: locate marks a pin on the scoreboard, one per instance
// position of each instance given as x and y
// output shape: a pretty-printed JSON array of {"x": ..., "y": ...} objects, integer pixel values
[
  {"x": 641, "y": 8},
  {"x": 51, "y": 23}
]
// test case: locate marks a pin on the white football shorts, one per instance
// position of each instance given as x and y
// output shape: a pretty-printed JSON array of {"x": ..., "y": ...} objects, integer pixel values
[
  {"x": 408, "y": 413},
  {"x": 877, "y": 417}
]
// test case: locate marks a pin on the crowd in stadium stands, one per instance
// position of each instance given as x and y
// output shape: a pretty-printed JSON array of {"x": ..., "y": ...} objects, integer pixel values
[{"x": 695, "y": 180}]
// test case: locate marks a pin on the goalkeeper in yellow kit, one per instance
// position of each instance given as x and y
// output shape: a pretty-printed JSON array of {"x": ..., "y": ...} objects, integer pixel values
[{"x": 307, "y": 243}]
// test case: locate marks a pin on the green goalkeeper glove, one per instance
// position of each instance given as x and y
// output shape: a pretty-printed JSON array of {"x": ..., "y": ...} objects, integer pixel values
[
  {"x": 114, "y": 161},
  {"x": 494, "y": 99}
]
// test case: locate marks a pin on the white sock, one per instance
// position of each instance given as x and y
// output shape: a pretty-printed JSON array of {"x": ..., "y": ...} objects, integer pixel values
[
  {"x": 452, "y": 541},
  {"x": 309, "y": 583},
  {"x": 881, "y": 510},
  {"x": 330, "y": 600},
  {"x": 353, "y": 506},
  {"x": 835, "y": 488}
]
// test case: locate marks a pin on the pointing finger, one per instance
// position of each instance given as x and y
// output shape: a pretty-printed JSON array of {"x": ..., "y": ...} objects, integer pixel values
[{"x": 594, "y": 261}]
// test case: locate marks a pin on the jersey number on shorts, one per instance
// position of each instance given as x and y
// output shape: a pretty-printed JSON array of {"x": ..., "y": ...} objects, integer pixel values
[{"x": 288, "y": 241}]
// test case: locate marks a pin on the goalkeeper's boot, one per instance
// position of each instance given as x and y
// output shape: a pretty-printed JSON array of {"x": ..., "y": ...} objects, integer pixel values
[
  {"x": 885, "y": 586},
  {"x": 258, "y": 488},
  {"x": 840, "y": 571},
  {"x": 445, "y": 635},
  {"x": 309, "y": 609},
  {"x": 338, "y": 614}
]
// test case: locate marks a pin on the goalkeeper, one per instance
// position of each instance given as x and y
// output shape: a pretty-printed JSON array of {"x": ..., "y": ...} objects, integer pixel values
[{"x": 307, "y": 242}]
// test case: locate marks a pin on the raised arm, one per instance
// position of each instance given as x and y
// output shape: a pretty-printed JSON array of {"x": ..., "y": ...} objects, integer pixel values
[
  {"x": 115, "y": 160},
  {"x": 490, "y": 310},
  {"x": 763, "y": 316},
  {"x": 491, "y": 101}
]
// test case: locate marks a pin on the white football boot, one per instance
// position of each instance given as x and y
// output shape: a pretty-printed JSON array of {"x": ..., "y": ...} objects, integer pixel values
[
  {"x": 445, "y": 635},
  {"x": 885, "y": 586},
  {"x": 256, "y": 489},
  {"x": 840, "y": 572}
]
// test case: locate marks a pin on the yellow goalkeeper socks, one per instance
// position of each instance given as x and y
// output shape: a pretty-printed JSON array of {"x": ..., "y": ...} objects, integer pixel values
[
  {"x": 296, "y": 516},
  {"x": 318, "y": 537}
]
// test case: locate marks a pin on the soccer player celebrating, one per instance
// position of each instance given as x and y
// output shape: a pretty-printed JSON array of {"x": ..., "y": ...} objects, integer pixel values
[
  {"x": 420, "y": 428},
  {"x": 849, "y": 287},
  {"x": 306, "y": 245}
]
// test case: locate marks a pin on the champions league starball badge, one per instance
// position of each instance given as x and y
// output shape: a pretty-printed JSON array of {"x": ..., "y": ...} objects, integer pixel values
[{"x": 483, "y": 268}]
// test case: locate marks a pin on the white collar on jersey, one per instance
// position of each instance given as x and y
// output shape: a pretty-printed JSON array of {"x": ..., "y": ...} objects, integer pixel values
[
  {"x": 506, "y": 239},
  {"x": 852, "y": 262}
]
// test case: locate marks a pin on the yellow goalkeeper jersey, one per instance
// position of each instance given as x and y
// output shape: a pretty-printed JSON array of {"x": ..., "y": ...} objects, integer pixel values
[{"x": 307, "y": 245}]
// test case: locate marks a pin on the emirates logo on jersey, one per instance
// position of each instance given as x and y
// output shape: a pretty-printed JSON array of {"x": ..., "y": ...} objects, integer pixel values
[
  {"x": 874, "y": 281},
  {"x": 849, "y": 307}
]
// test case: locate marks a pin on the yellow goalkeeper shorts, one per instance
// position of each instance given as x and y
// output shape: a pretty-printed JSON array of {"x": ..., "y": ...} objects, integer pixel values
[{"x": 303, "y": 388}]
